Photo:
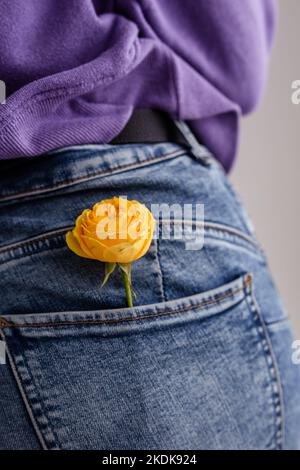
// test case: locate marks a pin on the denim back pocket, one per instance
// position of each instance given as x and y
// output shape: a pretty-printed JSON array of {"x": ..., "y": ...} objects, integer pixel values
[{"x": 190, "y": 373}]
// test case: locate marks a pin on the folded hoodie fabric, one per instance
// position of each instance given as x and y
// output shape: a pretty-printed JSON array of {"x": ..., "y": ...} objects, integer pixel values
[{"x": 74, "y": 70}]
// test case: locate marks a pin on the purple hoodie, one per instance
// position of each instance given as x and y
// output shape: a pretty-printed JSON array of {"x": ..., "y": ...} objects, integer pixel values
[{"x": 74, "y": 70}]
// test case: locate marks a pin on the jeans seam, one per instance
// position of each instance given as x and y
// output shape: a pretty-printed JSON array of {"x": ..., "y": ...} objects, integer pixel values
[
  {"x": 43, "y": 410},
  {"x": 52, "y": 234},
  {"x": 277, "y": 397},
  {"x": 60, "y": 232},
  {"x": 246, "y": 281},
  {"x": 24, "y": 394},
  {"x": 161, "y": 276},
  {"x": 87, "y": 177},
  {"x": 238, "y": 204}
]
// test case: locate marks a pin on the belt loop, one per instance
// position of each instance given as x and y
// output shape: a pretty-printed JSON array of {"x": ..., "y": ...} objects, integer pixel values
[{"x": 199, "y": 151}]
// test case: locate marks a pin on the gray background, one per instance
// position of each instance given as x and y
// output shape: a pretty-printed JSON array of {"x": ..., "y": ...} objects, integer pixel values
[{"x": 267, "y": 170}]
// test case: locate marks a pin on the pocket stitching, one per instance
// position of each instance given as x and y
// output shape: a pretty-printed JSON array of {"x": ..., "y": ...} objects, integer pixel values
[
  {"x": 66, "y": 183},
  {"x": 247, "y": 287},
  {"x": 30, "y": 403},
  {"x": 277, "y": 396},
  {"x": 162, "y": 279},
  {"x": 246, "y": 281},
  {"x": 56, "y": 234}
]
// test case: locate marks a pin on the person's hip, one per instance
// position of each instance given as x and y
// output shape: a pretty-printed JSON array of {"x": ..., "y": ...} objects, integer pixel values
[{"x": 197, "y": 363}]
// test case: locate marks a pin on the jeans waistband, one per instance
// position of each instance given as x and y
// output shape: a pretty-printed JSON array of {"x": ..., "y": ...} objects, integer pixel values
[{"x": 73, "y": 165}]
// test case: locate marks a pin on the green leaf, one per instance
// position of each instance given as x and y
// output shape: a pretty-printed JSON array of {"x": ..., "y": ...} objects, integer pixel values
[
  {"x": 109, "y": 269},
  {"x": 126, "y": 268}
]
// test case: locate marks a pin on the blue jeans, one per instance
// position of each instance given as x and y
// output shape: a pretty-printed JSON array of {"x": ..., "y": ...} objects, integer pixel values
[{"x": 204, "y": 359}]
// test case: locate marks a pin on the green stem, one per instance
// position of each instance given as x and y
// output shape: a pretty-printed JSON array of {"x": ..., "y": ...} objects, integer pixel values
[{"x": 127, "y": 289}]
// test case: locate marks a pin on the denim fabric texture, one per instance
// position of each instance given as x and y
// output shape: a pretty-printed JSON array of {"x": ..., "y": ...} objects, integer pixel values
[{"x": 204, "y": 358}]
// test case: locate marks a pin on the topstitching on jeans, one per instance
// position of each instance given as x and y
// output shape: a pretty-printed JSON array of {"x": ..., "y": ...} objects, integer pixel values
[
  {"x": 277, "y": 395},
  {"x": 204, "y": 303},
  {"x": 87, "y": 177},
  {"x": 55, "y": 239}
]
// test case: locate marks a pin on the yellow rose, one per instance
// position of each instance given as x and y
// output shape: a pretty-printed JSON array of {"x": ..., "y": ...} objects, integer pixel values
[{"x": 113, "y": 231}]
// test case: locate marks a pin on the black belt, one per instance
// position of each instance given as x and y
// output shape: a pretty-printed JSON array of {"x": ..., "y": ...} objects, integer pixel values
[{"x": 148, "y": 126}]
